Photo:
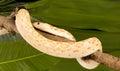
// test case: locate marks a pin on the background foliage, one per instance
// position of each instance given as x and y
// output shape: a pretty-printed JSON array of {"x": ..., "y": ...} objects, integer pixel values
[{"x": 83, "y": 18}]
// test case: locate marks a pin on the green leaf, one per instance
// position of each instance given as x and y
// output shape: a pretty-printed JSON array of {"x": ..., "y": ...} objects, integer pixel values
[
  {"x": 7, "y": 6},
  {"x": 19, "y": 56},
  {"x": 4, "y": 2},
  {"x": 84, "y": 14}
]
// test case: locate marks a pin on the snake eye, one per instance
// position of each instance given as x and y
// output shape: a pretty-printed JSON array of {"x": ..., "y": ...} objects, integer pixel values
[{"x": 38, "y": 23}]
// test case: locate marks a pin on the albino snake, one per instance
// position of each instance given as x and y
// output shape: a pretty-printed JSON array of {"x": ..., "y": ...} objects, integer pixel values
[{"x": 57, "y": 48}]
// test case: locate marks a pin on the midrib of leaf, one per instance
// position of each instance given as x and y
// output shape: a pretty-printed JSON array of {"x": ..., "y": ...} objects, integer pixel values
[{"x": 15, "y": 60}]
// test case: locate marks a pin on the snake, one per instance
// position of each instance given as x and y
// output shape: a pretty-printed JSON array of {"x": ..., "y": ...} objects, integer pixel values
[
  {"x": 54, "y": 30},
  {"x": 76, "y": 50}
]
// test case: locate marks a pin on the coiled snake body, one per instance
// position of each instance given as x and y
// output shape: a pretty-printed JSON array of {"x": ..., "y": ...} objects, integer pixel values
[{"x": 57, "y": 48}]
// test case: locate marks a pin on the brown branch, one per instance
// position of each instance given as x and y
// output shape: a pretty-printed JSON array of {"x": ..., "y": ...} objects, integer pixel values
[
  {"x": 8, "y": 22},
  {"x": 103, "y": 58},
  {"x": 106, "y": 59}
]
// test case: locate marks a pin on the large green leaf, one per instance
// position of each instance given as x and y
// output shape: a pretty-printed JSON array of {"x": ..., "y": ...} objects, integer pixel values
[
  {"x": 83, "y": 18},
  {"x": 4, "y": 2},
  {"x": 84, "y": 14},
  {"x": 6, "y": 6},
  {"x": 19, "y": 56}
]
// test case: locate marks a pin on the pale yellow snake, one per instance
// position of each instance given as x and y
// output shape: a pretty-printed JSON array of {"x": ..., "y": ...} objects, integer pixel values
[
  {"x": 57, "y": 48},
  {"x": 53, "y": 30}
]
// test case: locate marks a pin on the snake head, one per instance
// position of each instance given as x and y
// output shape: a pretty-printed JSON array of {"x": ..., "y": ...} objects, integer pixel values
[{"x": 54, "y": 30}]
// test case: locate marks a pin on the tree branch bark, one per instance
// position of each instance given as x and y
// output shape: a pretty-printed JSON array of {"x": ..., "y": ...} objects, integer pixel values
[
  {"x": 106, "y": 59},
  {"x": 8, "y": 22},
  {"x": 103, "y": 58}
]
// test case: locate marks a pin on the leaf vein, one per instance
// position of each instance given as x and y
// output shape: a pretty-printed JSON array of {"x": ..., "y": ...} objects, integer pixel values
[{"x": 15, "y": 60}]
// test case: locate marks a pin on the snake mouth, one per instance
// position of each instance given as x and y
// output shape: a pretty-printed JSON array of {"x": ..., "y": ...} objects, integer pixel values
[{"x": 52, "y": 36}]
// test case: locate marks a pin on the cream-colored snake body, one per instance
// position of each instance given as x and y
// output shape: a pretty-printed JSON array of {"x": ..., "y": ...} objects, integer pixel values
[
  {"x": 54, "y": 30},
  {"x": 57, "y": 48}
]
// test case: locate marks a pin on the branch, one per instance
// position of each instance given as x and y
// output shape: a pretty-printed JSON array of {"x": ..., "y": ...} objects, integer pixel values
[
  {"x": 9, "y": 24},
  {"x": 106, "y": 59}
]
